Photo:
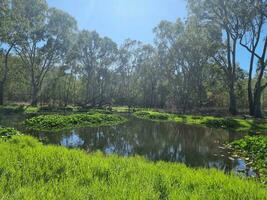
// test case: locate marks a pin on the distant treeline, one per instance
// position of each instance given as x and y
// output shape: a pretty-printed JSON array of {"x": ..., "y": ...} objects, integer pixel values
[{"x": 191, "y": 65}]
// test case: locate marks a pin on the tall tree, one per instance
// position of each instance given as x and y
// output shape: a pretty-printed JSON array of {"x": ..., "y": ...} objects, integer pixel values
[
  {"x": 7, "y": 41},
  {"x": 186, "y": 50},
  {"x": 126, "y": 65},
  {"x": 222, "y": 13},
  {"x": 42, "y": 39},
  {"x": 254, "y": 17},
  {"x": 95, "y": 56}
]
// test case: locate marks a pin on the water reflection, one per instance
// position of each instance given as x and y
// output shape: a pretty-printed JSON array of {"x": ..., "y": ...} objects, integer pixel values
[
  {"x": 193, "y": 145},
  {"x": 72, "y": 140}
]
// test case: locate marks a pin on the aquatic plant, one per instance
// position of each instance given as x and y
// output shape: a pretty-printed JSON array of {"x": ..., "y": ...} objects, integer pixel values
[
  {"x": 59, "y": 122},
  {"x": 6, "y": 133},
  {"x": 255, "y": 149}
]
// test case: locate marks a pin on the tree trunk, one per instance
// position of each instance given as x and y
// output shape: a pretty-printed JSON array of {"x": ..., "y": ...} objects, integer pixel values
[
  {"x": 250, "y": 95},
  {"x": 34, "y": 96},
  {"x": 257, "y": 103},
  {"x": 1, "y": 93},
  {"x": 232, "y": 100},
  {"x": 5, "y": 71},
  {"x": 258, "y": 91}
]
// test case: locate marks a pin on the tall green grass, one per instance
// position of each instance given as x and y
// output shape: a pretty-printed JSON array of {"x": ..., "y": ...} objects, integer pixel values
[{"x": 29, "y": 170}]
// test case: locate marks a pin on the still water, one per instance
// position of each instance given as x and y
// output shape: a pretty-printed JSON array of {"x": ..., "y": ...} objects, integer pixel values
[{"x": 194, "y": 146}]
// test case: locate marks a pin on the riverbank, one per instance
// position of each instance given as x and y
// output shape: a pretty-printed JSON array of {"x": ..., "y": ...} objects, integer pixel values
[
  {"x": 30, "y": 170},
  {"x": 231, "y": 123},
  {"x": 58, "y": 122}
]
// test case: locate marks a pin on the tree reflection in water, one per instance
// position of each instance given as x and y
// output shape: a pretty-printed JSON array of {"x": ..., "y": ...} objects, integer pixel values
[{"x": 193, "y": 145}]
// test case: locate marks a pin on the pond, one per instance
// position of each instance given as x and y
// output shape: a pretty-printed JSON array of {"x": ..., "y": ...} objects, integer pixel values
[{"x": 194, "y": 146}]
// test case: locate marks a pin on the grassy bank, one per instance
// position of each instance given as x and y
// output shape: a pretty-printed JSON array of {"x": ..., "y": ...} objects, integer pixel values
[
  {"x": 30, "y": 170},
  {"x": 59, "y": 122},
  {"x": 254, "y": 149},
  {"x": 236, "y": 124}
]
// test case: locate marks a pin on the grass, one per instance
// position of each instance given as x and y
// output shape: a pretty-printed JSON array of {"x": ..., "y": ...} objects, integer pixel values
[
  {"x": 255, "y": 150},
  {"x": 12, "y": 108},
  {"x": 125, "y": 109},
  {"x": 30, "y": 170},
  {"x": 236, "y": 124},
  {"x": 31, "y": 109},
  {"x": 58, "y": 122}
]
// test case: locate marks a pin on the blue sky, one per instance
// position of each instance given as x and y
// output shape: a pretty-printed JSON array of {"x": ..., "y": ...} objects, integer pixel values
[
  {"x": 134, "y": 19},
  {"x": 122, "y": 19}
]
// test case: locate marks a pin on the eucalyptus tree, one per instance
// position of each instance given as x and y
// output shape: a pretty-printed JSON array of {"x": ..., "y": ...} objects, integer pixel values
[
  {"x": 186, "y": 49},
  {"x": 223, "y": 14},
  {"x": 197, "y": 46},
  {"x": 147, "y": 74},
  {"x": 167, "y": 34},
  {"x": 43, "y": 36},
  {"x": 254, "y": 39},
  {"x": 7, "y": 41},
  {"x": 96, "y": 56},
  {"x": 126, "y": 66}
]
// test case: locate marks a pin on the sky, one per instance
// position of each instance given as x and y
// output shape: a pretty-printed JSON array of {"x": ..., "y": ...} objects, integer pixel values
[{"x": 123, "y": 19}]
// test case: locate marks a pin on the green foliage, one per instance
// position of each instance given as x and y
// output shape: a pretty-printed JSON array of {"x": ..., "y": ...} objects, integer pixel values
[
  {"x": 236, "y": 124},
  {"x": 31, "y": 109},
  {"x": 6, "y": 133},
  {"x": 30, "y": 170},
  {"x": 59, "y": 122},
  {"x": 223, "y": 123},
  {"x": 255, "y": 148},
  {"x": 152, "y": 115},
  {"x": 56, "y": 109}
]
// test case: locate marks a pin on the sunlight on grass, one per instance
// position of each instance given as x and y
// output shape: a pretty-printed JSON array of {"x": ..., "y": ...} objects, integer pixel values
[{"x": 30, "y": 170}]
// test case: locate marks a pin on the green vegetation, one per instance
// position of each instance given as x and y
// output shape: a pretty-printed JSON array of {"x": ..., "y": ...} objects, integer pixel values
[
  {"x": 31, "y": 109},
  {"x": 30, "y": 170},
  {"x": 121, "y": 109},
  {"x": 59, "y": 122},
  {"x": 125, "y": 109},
  {"x": 237, "y": 124},
  {"x": 254, "y": 149},
  {"x": 28, "y": 109},
  {"x": 8, "y": 132}
]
